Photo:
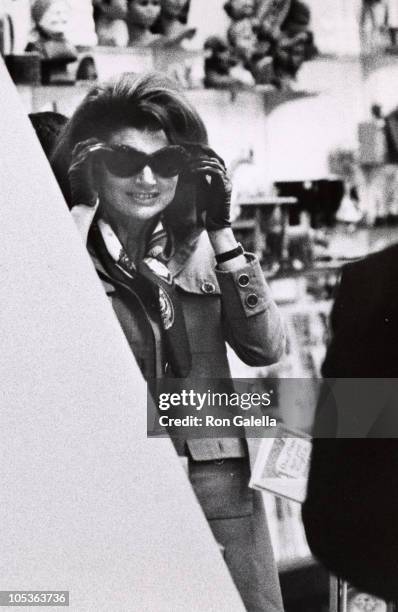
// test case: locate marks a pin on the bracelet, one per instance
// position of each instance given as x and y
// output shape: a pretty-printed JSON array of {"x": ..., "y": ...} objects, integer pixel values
[{"x": 223, "y": 257}]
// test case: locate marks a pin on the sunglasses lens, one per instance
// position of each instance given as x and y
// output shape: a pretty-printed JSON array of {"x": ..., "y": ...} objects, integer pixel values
[
  {"x": 169, "y": 162},
  {"x": 126, "y": 162},
  {"x": 122, "y": 163}
]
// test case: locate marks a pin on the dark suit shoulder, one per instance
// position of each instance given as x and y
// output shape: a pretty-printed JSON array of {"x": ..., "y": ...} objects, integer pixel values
[
  {"x": 364, "y": 317},
  {"x": 370, "y": 279},
  {"x": 381, "y": 261}
]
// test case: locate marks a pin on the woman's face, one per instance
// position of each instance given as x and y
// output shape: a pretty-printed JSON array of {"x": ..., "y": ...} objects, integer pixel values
[
  {"x": 143, "y": 12},
  {"x": 173, "y": 8},
  {"x": 142, "y": 196}
]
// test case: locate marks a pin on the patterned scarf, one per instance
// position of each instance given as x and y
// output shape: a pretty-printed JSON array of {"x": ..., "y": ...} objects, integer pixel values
[{"x": 153, "y": 275}]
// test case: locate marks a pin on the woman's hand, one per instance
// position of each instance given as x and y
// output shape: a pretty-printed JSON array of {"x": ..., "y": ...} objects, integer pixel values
[
  {"x": 216, "y": 202},
  {"x": 217, "y": 193},
  {"x": 84, "y": 193},
  {"x": 81, "y": 180}
]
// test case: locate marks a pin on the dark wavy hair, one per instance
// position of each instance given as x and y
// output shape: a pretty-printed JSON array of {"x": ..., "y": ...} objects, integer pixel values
[{"x": 147, "y": 101}]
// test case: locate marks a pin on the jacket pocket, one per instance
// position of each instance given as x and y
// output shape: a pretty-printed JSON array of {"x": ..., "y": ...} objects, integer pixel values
[{"x": 221, "y": 487}]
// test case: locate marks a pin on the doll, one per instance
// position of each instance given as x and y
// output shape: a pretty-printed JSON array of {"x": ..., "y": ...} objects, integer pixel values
[
  {"x": 172, "y": 22},
  {"x": 296, "y": 43},
  {"x": 110, "y": 21},
  {"x": 242, "y": 31},
  {"x": 222, "y": 69},
  {"x": 51, "y": 20},
  {"x": 272, "y": 13},
  {"x": 243, "y": 39},
  {"x": 218, "y": 63},
  {"x": 141, "y": 17},
  {"x": 286, "y": 24},
  {"x": 290, "y": 53}
]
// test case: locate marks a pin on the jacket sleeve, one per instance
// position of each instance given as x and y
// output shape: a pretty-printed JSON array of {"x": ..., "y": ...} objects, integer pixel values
[{"x": 252, "y": 322}]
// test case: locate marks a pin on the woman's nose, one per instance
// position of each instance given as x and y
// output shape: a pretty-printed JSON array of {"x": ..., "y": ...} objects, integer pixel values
[{"x": 146, "y": 176}]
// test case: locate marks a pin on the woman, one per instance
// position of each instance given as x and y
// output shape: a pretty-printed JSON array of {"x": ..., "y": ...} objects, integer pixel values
[{"x": 152, "y": 199}]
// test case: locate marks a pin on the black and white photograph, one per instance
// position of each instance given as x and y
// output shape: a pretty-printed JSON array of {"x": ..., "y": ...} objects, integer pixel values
[{"x": 199, "y": 306}]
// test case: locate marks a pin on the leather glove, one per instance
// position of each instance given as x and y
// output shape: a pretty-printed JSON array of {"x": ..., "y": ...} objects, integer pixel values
[
  {"x": 216, "y": 194},
  {"x": 83, "y": 190},
  {"x": 85, "y": 200}
]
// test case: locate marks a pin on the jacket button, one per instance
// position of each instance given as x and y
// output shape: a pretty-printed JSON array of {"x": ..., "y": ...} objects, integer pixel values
[
  {"x": 243, "y": 280},
  {"x": 208, "y": 287},
  {"x": 252, "y": 300}
]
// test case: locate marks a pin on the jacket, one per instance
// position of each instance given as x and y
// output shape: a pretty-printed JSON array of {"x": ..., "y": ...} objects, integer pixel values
[
  {"x": 218, "y": 306},
  {"x": 352, "y": 500}
]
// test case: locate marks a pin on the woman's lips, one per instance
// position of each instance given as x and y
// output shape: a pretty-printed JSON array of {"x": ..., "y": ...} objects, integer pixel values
[{"x": 144, "y": 196}]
